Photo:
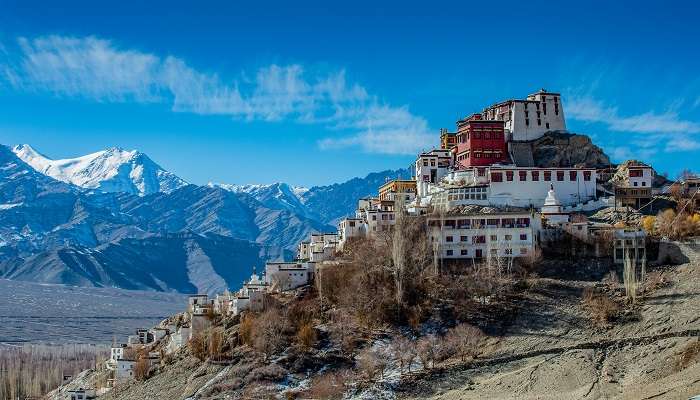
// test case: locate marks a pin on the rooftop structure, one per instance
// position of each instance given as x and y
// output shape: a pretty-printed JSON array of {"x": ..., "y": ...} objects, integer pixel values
[{"x": 531, "y": 118}]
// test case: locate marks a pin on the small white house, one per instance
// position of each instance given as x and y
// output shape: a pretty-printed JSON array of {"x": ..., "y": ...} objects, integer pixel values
[
  {"x": 125, "y": 370},
  {"x": 283, "y": 276},
  {"x": 81, "y": 394}
]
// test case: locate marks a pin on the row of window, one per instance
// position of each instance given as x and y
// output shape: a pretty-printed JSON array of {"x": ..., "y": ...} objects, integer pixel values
[
  {"x": 478, "y": 253},
  {"x": 464, "y": 137},
  {"x": 535, "y": 176},
  {"x": 482, "y": 238},
  {"x": 479, "y": 223},
  {"x": 480, "y": 153}
]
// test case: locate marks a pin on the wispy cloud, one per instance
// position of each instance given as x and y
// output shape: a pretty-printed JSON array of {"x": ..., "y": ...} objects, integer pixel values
[
  {"x": 97, "y": 69},
  {"x": 588, "y": 109}
]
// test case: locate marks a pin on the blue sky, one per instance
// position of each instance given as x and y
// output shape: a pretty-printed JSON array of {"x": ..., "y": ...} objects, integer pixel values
[{"x": 312, "y": 93}]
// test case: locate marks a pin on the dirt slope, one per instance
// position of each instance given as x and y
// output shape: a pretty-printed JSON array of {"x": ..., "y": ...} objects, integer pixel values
[{"x": 553, "y": 351}]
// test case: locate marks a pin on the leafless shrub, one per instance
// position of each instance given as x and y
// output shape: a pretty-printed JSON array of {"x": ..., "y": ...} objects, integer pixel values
[
  {"x": 266, "y": 373},
  {"x": 601, "y": 308},
  {"x": 344, "y": 331},
  {"x": 269, "y": 332},
  {"x": 198, "y": 346},
  {"x": 465, "y": 341},
  {"x": 327, "y": 386},
  {"x": 428, "y": 349},
  {"x": 306, "y": 336},
  {"x": 372, "y": 363},
  {"x": 403, "y": 351},
  {"x": 141, "y": 369}
]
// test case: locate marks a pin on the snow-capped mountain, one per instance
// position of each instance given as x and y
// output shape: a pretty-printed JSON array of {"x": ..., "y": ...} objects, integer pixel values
[
  {"x": 189, "y": 239},
  {"x": 276, "y": 196},
  {"x": 111, "y": 170}
]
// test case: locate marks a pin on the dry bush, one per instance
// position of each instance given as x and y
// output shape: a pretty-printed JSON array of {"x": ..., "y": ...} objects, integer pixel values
[
  {"x": 245, "y": 329},
  {"x": 689, "y": 355},
  {"x": 269, "y": 332},
  {"x": 611, "y": 280},
  {"x": 428, "y": 349},
  {"x": 403, "y": 351},
  {"x": 306, "y": 336},
  {"x": 141, "y": 369},
  {"x": 344, "y": 331},
  {"x": 600, "y": 307},
  {"x": 465, "y": 341},
  {"x": 216, "y": 343},
  {"x": 327, "y": 386},
  {"x": 372, "y": 363},
  {"x": 678, "y": 226},
  {"x": 198, "y": 346}
]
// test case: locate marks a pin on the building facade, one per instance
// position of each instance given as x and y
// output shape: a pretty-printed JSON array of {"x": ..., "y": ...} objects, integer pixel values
[
  {"x": 531, "y": 118},
  {"x": 480, "y": 142},
  {"x": 473, "y": 234}
]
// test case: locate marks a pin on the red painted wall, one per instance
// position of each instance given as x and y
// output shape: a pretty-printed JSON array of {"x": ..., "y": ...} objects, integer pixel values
[{"x": 477, "y": 136}]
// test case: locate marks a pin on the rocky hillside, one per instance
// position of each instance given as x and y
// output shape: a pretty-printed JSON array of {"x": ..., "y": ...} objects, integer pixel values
[
  {"x": 55, "y": 231},
  {"x": 557, "y": 149}
]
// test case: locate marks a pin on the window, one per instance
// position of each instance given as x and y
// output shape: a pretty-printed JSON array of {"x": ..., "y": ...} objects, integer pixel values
[
  {"x": 432, "y": 163},
  {"x": 508, "y": 251},
  {"x": 572, "y": 175},
  {"x": 523, "y": 175},
  {"x": 478, "y": 239},
  {"x": 448, "y": 239},
  {"x": 560, "y": 176},
  {"x": 494, "y": 252},
  {"x": 547, "y": 124},
  {"x": 478, "y": 253},
  {"x": 496, "y": 177},
  {"x": 644, "y": 183},
  {"x": 425, "y": 163},
  {"x": 636, "y": 183},
  {"x": 586, "y": 175},
  {"x": 527, "y": 122},
  {"x": 482, "y": 171},
  {"x": 509, "y": 176},
  {"x": 462, "y": 238},
  {"x": 535, "y": 175},
  {"x": 449, "y": 252},
  {"x": 523, "y": 236},
  {"x": 547, "y": 176},
  {"x": 523, "y": 250},
  {"x": 374, "y": 217},
  {"x": 463, "y": 252},
  {"x": 352, "y": 224},
  {"x": 494, "y": 238},
  {"x": 539, "y": 121},
  {"x": 544, "y": 109},
  {"x": 508, "y": 237}
]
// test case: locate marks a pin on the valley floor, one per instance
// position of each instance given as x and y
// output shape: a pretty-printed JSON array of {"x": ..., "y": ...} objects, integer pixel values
[{"x": 39, "y": 313}]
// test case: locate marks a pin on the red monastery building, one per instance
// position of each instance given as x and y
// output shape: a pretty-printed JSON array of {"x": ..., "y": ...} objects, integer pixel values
[{"x": 480, "y": 142}]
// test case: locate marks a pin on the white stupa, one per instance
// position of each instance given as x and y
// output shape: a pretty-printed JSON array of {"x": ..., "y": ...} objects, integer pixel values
[{"x": 552, "y": 210}]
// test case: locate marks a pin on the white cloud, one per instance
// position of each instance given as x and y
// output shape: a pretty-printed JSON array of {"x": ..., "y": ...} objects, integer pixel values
[
  {"x": 97, "y": 69},
  {"x": 587, "y": 109}
]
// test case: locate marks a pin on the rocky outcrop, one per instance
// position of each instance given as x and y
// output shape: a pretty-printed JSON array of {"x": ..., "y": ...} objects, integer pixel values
[{"x": 559, "y": 149}]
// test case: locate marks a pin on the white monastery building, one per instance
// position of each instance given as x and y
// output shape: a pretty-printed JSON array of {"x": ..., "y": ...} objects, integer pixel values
[{"x": 531, "y": 118}]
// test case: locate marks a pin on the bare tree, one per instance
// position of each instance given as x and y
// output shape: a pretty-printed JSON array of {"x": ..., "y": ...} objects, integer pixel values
[
  {"x": 465, "y": 340},
  {"x": 398, "y": 251},
  {"x": 404, "y": 352},
  {"x": 427, "y": 349},
  {"x": 371, "y": 364}
]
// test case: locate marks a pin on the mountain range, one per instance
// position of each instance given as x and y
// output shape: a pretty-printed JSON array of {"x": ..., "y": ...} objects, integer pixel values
[{"x": 115, "y": 218}]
